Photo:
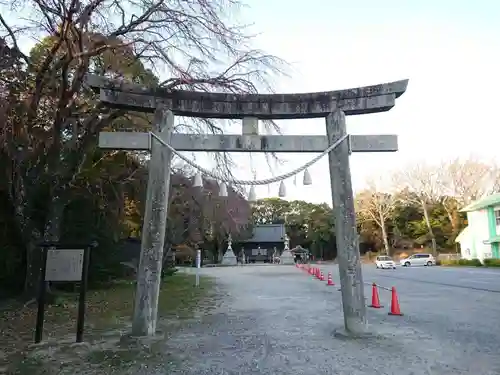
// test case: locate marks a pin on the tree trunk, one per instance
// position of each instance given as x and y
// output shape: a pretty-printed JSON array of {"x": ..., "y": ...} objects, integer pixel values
[
  {"x": 52, "y": 230},
  {"x": 429, "y": 227},
  {"x": 52, "y": 233},
  {"x": 220, "y": 249},
  {"x": 33, "y": 266},
  {"x": 386, "y": 241},
  {"x": 450, "y": 218},
  {"x": 220, "y": 253},
  {"x": 452, "y": 213},
  {"x": 384, "y": 235}
]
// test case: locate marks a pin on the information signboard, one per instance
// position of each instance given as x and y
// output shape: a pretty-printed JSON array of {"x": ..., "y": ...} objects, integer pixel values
[{"x": 64, "y": 264}]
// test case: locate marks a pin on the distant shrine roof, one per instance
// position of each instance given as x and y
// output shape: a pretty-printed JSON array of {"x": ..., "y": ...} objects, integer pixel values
[{"x": 267, "y": 233}]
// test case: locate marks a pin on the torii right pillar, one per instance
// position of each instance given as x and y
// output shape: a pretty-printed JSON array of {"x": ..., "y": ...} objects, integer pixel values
[{"x": 351, "y": 278}]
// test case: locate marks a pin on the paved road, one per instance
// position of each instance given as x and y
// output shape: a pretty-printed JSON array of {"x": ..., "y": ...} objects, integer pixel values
[
  {"x": 277, "y": 320},
  {"x": 487, "y": 280}
]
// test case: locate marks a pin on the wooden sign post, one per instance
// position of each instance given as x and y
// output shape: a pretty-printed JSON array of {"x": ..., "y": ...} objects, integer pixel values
[{"x": 63, "y": 263}]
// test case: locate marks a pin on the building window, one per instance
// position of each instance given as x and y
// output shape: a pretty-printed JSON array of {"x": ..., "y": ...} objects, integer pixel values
[{"x": 497, "y": 217}]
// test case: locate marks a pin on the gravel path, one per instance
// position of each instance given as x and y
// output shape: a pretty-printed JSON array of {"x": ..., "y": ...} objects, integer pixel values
[{"x": 277, "y": 320}]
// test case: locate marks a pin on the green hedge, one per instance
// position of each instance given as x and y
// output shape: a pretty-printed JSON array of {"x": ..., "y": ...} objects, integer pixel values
[
  {"x": 469, "y": 263},
  {"x": 461, "y": 262},
  {"x": 492, "y": 262}
]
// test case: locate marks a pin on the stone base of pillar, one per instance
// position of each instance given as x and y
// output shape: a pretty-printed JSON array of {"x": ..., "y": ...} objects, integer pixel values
[
  {"x": 229, "y": 259},
  {"x": 287, "y": 258}
]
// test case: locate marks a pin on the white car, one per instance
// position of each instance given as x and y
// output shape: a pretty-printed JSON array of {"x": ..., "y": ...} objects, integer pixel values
[
  {"x": 418, "y": 260},
  {"x": 385, "y": 261}
]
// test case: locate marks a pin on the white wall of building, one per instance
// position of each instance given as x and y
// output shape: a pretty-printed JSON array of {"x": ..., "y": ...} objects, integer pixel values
[
  {"x": 479, "y": 232},
  {"x": 466, "y": 244}
]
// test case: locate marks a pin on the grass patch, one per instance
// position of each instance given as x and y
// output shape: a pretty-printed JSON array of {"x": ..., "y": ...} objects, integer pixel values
[{"x": 108, "y": 317}]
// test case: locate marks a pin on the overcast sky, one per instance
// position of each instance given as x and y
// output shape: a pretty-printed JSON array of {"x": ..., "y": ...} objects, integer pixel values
[{"x": 449, "y": 50}]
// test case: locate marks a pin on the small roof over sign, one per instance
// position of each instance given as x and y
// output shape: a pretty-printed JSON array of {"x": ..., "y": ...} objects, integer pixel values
[
  {"x": 267, "y": 233},
  {"x": 299, "y": 249}
]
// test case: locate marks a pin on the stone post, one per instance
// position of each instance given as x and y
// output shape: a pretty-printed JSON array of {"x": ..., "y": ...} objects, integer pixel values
[
  {"x": 286, "y": 256},
  {"x": 229, "y": 259}
]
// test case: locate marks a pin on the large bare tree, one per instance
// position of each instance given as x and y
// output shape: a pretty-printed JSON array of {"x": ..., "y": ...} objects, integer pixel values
[
  {"x": 376, "y": 204},
  {"x": 462, "y": 181},
  {"x": 419, "y": 183},
  {"x": 466, "y": 179},
  {"x": 196, "y": 44}
]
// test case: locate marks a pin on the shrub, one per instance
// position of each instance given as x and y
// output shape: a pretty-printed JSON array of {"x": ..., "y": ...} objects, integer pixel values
[
  {"x": 447, "y": 262},
  {"x": 470, "y": 262},
  {"x": 475, "y": 262},
  {"x": 492, "y": 262},
  {"x": 461, "y": 262},
  {"x": 168, "y": 271}
]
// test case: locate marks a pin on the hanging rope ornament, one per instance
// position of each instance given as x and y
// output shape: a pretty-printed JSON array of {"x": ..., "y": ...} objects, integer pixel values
[
  {"x": 282, "y": 190},
  {"x": 222, "y": 189},
  {"x": 198, "y": 180},
  {"x": 307, "y": 178},
  {"x": 252, "y": 197}
]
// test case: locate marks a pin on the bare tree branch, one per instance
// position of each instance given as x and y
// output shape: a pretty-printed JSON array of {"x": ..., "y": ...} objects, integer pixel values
[{"x": 466, "y": 179}]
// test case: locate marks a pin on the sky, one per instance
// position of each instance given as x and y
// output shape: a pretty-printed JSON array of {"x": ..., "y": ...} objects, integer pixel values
[{"x": 449, "y": 51}]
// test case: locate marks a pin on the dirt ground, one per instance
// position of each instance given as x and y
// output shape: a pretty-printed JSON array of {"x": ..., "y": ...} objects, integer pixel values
[{"x": 107, "y": 347}]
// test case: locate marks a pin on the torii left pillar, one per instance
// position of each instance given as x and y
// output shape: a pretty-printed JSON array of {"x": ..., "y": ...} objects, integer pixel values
[{"x": 154, "y": 228}]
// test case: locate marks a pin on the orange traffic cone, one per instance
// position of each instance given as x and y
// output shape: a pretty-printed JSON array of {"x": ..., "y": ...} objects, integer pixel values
[
  {"x": 395, "y": 310},
  {"x": 330, "y": 281},
  {"x": 318, "y": 274},
  {"x": 375, "y": 299},
  {"x": 321, "y": 276}
]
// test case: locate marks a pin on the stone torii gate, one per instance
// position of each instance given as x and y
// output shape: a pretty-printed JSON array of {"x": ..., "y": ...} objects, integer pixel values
[{"x": 332, "y": 105}]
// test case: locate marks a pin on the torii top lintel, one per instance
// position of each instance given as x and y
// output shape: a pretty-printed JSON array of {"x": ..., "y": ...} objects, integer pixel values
[{"x": 355, "y": 101}]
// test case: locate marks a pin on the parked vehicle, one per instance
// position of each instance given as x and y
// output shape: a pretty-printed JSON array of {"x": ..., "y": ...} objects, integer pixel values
[
  {"x": 384, "y": 261},
  {"x": 418, "y": 260}
]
